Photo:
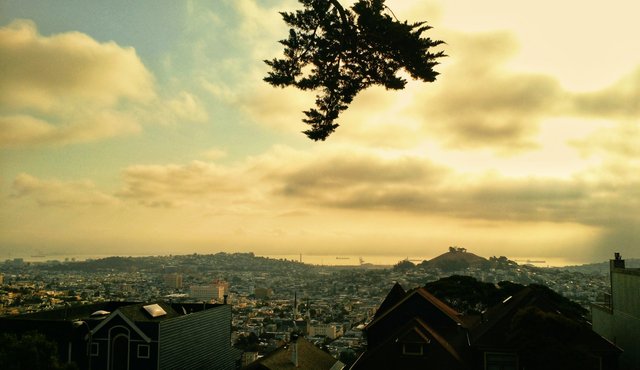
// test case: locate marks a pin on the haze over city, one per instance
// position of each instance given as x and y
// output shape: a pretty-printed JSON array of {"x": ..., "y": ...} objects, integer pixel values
[{"x": 145, "y": 127}]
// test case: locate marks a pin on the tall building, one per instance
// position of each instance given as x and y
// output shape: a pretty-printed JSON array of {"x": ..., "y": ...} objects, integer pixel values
[
  {"x": 617, "y": 318},
  {"x": 173, "y": 280},
  {"x": 223, "y": 284}
]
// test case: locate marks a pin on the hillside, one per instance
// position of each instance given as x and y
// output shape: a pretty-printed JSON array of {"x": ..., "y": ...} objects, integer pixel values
[
  {"x": 455, "y": 259},
  {"x": 599, "y": 267}
]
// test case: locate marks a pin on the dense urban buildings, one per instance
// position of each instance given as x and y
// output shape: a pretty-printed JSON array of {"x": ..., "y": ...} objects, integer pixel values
[{"x": 268, "y": 298}]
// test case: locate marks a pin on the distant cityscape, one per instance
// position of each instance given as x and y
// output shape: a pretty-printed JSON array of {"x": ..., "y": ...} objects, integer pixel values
[{"x": 271, "y": 297}]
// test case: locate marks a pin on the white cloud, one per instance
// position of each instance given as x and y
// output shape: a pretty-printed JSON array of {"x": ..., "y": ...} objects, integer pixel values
[
  {"x": 69, "y": 88},
  {"x": 47, "y": 72}
]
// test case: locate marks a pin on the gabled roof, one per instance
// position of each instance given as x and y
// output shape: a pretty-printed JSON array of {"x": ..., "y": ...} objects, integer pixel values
[
  {"x": 416, "y": 325},
  {"x": 394, "y": 296},
  {"x": 129, "y": 323},
  {"x": 413, "y": 331},
  {"x": 310, "y": 357},
  {"x": 426, "y": 296}
]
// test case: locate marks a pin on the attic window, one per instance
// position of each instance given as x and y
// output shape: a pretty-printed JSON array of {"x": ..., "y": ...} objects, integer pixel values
[
  {"x": 412, "y": 349},
  {"x": 154, "y": 310}
]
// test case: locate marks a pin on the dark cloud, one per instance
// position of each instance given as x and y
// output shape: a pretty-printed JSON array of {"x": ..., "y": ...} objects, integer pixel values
[
  {"x": 477, "y": 103},
  {"x": 604, "y": 198},
  {"x": 361, "y": 181}
]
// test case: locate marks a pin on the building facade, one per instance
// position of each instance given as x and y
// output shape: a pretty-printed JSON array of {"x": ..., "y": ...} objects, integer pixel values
[
  {"x": 324, "y": 330},
  {"x": 173, "y": 280},
  {"x": 215, "y": 291},
  {"x": 617, "y": 318}
]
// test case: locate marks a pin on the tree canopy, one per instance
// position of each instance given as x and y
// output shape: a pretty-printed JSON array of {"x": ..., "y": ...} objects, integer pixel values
[{"x": 339, "y": 52}]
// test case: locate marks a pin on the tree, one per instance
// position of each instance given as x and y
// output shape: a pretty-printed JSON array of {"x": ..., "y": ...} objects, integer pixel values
[
  {"x": 404, "y": 265},
  {"x": 550, "y": 335},
  {"x": 31, "y": 351},
  {"x": 468, "y": 295},
  {"x": 340, "y": 52}
]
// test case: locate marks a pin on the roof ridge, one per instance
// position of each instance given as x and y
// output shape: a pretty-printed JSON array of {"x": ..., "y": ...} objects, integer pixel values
[{"x": 440, "y": 305}]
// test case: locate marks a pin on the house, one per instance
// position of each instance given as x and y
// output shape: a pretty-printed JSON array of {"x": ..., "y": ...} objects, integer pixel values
[
  {"x": 618, "y": 317},
  {"x": 530, "y": 329},
  {"x": 133, "y": 335},
  {"x": 300, "y": 354},
  {"x": 414, "y": 330}
]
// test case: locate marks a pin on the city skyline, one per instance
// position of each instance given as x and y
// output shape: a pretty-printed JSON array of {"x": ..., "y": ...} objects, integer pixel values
[{"x": 146, "y": 128}]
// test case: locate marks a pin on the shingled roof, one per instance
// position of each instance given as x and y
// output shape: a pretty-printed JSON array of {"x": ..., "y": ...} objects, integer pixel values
[{"x": 309, "y": 357}]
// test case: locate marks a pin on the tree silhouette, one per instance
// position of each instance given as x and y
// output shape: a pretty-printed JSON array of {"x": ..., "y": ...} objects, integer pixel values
[
  {"x": 340, "y": 52},
  {"x": 31, "y": 350}
]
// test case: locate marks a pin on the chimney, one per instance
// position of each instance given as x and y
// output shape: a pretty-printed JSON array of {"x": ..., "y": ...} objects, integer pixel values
[
  {"x": 294, "y": 349},
  {"x": 617, "y": 262},
  {"x": 225, "y": 298}
]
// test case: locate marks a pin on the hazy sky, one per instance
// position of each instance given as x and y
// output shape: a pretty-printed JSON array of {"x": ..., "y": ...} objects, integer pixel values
[{"x": 136, "y": 127}]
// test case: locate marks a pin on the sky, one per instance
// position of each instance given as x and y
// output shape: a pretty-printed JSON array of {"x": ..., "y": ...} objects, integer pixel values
[{"x": 144, "y": 127}]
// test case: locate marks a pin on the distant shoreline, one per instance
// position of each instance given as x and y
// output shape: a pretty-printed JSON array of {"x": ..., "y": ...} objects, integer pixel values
[{"x": 318, "y": 260}]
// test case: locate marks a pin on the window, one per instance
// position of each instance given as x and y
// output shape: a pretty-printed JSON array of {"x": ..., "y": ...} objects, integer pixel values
[
  {"x": 500, "y": 361},
  {"x": 412, "y": 349},
  {"x": 93, "y": 351},
  {"x": 143, "y": 351}
]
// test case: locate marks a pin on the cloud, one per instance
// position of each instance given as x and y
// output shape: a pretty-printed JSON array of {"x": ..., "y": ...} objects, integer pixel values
[
  {"x": 182, "y": 107},
  {"x": 621, "y": 100},
  {"x": 194, "y": 184},
  {"x": 42, "y": 73},
  {"x": 346, "y": 189},
  {"x": 69, "y": 88},
  {"x": 476, "y": 102},
  {"x": 362, "y": 181},
  {"x": 601, "y": 202},
  {"x": 602, "y": 196},
  {"x": 21, "y": 129},
  {"x": 278, "y": 109},
  {"x": 55, "y": 193},
  {"x": 618, "y": 141}
]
